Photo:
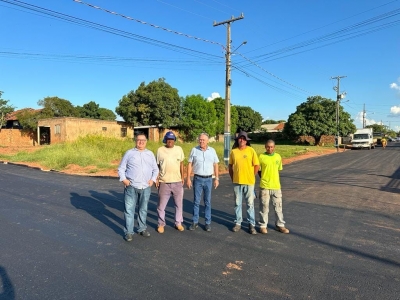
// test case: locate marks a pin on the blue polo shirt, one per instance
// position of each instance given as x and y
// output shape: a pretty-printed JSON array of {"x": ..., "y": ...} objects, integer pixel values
[{"x": 203, "y": 161}]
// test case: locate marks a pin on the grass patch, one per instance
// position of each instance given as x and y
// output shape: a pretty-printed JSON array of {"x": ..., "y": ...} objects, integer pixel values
[{"x": 103, "y": 153}]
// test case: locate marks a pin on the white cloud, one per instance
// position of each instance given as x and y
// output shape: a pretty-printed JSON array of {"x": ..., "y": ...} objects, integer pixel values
[
  {"x": 395, "y": 110},
  {"x": 395, "y": 86},
  {"x": 368, "y": 121},
  {"x": 213, "y": 96}
]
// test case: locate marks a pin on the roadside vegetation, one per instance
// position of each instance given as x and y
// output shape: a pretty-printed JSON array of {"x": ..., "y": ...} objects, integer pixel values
[{"x": 104, "y": 153}]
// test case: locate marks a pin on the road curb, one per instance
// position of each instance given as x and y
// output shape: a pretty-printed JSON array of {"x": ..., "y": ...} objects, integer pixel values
[{"x": 56, "y": 171}]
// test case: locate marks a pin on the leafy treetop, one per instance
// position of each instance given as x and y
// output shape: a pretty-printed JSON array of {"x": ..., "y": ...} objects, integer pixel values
[
  {"x": 249, "y": 120},
  {"x": 5, "y": 109},
  {"x": 317, "y": 117},
  {"x": 198, "y": 115},
  {"x": 156, "y": 103}
]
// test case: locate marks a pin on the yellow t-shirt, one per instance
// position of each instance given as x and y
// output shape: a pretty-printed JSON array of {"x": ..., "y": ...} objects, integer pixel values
[
  {"x": 169, "y": 161},
  {"x": 270, "y": 165},
  {"x": 243, "y": 162}
]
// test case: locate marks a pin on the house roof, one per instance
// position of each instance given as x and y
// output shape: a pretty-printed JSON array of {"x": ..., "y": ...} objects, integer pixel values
[
  {"x": 280, "y": 126},
  {"x": 12, "y": 116},
  {"x": 273, "y": 127}
]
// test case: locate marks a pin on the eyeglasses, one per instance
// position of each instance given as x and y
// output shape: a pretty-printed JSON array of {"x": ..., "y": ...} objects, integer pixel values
[{"x": 241, "y": 138}]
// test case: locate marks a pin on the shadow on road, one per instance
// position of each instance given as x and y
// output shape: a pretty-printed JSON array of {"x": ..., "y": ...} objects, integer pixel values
[
  {"x": 98, "y": 206},
  {"x": 348, "y": 250},
  {"x": 8, "y": 292}
]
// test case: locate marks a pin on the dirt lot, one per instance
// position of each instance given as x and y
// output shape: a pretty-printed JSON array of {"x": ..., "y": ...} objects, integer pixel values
[{"x": 78, "y": 170}]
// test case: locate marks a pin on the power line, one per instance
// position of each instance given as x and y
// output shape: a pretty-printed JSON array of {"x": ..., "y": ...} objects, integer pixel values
[
  {"x": 120, "y": 61},
  {"x": 258, "y": 66},
  {"x": 210, "y": 6},
  {"x": 101, "y": 58},
  {"x": 114, "y": 31},
  {"x": 346, "y": 33},
  {"x": 295, "y": 96},
  {"x": 184, "y": 9},
  {"x": 226, "y": 5},
  {"x": 149, "y": 24},
  {"x": 322, "y": 26}
]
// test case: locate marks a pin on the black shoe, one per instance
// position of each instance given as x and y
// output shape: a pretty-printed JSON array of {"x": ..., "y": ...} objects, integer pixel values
[
  {"x": 128, "y": 237},
  {"x": 193, "y": 226},
  {"x": 252, "y": 229},
  {"x": 144, "y": 233},
  {"x": 207, "y": 227}
]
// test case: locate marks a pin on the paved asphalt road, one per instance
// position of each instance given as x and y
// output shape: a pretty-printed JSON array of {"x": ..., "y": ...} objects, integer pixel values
[{"x": 61, "y": 238}]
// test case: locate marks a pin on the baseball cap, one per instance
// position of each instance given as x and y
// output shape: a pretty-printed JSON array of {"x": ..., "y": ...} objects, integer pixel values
[{"x": 169, "y": 136}]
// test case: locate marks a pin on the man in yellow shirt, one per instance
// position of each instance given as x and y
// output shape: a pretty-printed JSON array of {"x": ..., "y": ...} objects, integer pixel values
[
  {"x": 243, "y": 166},
  {"x": 270, "y": 187},
  {"x": 384, "y": 142}
]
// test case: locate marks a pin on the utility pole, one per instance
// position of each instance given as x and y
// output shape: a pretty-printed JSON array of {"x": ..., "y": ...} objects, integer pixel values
[
  {"x": 228, "y": 83},
  {"x": 364, "y": 116},
  {"x": 339, "y": 96}
]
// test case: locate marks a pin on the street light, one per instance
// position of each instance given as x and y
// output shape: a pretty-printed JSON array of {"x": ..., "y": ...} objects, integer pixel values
[{"x": 243, "y": 43}]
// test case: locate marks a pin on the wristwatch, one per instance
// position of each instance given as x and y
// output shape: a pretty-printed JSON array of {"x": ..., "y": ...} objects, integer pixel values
[{"x": 216, "y": 178}]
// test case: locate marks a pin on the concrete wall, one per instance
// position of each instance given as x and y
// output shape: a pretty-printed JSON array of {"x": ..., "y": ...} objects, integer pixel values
[
  {"x": 17, "y": 137},
  {"x": 69, "y": 129}
]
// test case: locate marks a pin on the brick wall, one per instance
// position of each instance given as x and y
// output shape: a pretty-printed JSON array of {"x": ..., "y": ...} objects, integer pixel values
[
  {"x": 17, "y": 137},
  {"x": 69, "y": 129}
]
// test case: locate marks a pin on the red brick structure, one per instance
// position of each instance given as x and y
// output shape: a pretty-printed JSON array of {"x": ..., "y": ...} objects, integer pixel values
[
  {"x": 63, "y": 129},
  {"x": 17, "y": 137},
  {"x": 60, "y": 130}
]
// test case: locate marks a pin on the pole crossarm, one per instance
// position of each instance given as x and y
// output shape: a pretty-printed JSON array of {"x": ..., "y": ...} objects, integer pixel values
[{"x": 233, "y": 19}]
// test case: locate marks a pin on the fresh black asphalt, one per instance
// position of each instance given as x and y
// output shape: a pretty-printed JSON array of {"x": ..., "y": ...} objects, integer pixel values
[{"x": 62, "y": 238}]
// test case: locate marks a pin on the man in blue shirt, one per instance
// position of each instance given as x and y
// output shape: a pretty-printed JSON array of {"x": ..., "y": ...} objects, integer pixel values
[
  {"x": 138, "y": 171},
  {"x": 203, "y": 160}
]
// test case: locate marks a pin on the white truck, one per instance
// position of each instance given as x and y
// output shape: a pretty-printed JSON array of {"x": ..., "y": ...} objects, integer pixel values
[{"x": 363, "y": 138}]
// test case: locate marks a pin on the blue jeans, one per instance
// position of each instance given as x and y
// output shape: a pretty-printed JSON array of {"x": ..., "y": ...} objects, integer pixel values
[
  {"x": 202, "y": 185},
  {"x": 245, "y": 191},
  {"x": 133, "y": 196}
]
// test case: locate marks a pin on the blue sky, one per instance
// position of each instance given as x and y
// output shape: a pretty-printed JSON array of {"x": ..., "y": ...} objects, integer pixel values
[{"x": 293, "y": 49}]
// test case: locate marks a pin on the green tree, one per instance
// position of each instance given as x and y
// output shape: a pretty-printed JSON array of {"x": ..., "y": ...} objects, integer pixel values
[
  {"x": 106, "y": 114},
  {"x": 156, "y": 103},
  {"x": 5, "y": 109},
  {"x": 57, "y": 107},
  {"x": 317, "y": 117},
  {"x": 377, "y": 128},
  {"x": 93, "y": 111},
  {"x": 269, "y": 121},
  {"x": 249, "y": 119},
  {"x": 219, "y": 105},
  {"x": 28, "y": 118},
  {"x": 198, "y": 115},
  {"x": 89, "y": 110}
]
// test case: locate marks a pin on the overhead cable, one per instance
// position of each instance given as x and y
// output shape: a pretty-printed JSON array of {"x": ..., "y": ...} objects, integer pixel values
[
  {"x": 114, "y": 31},
  {"x": 149, "y": 24}
]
